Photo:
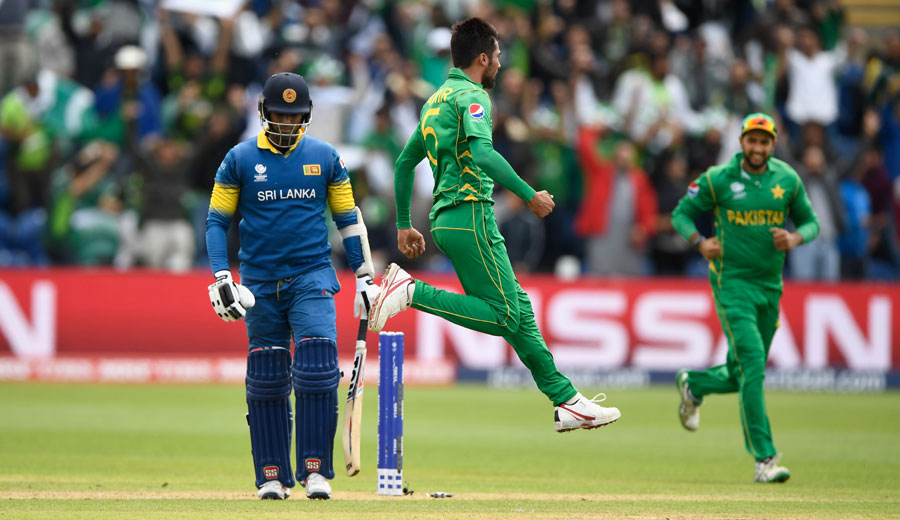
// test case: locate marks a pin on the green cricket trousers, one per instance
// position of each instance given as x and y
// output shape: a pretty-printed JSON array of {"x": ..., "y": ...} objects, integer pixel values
[
  {"x": 493, "y": 302},
  {"x": 749, "y": 317}
]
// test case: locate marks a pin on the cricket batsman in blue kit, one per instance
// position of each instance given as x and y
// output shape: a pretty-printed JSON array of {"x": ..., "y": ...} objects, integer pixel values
[{"x": 283, "y": 181}]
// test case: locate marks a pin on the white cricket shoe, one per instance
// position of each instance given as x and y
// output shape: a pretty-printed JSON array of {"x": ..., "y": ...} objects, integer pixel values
[
  {"x": 317, "y": 487},
  {"x": 689, "y": 410},
  {"x": 768, "y": 471},
  {"x": 397, "y": 288},
  {"x": 579, "y": 412},
  {"x": 273, "y": 490}
]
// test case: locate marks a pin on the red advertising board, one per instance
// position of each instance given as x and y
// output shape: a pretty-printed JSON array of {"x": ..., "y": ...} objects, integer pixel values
[{"x": 652, "y": 323}]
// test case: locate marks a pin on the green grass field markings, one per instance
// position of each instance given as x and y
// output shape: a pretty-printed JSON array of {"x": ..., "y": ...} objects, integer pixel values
[{"x": 65, "y": 449}]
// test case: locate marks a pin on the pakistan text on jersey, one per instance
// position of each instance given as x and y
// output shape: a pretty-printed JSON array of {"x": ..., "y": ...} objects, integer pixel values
[
  {"x": 293, "y": 193},
  {"x": 755, "y": 217}
]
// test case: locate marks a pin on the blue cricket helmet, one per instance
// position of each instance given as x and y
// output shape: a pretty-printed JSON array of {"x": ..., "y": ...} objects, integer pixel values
[{"x": 284, "y": 93}]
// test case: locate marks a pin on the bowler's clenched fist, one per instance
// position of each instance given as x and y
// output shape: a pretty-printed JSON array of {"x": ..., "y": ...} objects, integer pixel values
[
  {"x": 410, "y": 242},
  {"x": 541, "y": 204}
]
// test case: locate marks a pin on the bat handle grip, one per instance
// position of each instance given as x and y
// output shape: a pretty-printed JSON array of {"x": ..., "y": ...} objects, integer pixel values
[{"x": 363, "y": 328}]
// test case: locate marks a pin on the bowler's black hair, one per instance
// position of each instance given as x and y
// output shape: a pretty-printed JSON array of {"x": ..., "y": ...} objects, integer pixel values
[{"x": 469, "y": 38}]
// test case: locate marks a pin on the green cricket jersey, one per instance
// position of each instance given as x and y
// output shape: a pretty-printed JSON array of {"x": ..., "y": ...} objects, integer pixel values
[
  {"x": 745, "y": 206},
  {"x": 458, "y": 111}
]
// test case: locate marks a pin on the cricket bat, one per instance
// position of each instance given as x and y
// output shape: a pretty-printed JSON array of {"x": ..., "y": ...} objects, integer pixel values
[{"x": 353, "y": 411}]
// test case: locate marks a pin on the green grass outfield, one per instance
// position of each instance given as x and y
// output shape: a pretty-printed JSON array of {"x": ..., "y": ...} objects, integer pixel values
[{"x": 182, "y": 452}]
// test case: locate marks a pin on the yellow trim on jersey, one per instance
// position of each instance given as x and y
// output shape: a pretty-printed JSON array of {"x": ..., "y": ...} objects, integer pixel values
[
  {"x": 224, "y": 198},
  {"x": 458, "y": 127},
  {"x": 263, "y": 142},
  {"x": 721, "y": 246},
  {"x": 340, "y": 197},
  {"x": 718, "y": 227},
  {"x": 711, "y": 190}
]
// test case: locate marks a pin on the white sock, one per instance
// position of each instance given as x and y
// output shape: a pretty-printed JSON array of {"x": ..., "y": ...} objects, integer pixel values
[{"x": 574, "y": 399}]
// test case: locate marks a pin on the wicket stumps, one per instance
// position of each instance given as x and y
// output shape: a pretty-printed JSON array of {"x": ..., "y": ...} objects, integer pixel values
[{"x": 390, "y": 413}]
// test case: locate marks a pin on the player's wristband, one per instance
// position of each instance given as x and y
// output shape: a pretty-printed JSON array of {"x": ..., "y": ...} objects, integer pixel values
[{"x": 696, "y": 241}]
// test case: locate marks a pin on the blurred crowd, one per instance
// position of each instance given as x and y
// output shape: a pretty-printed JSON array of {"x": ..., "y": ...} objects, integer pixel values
[{"x": 115, "y": 115}]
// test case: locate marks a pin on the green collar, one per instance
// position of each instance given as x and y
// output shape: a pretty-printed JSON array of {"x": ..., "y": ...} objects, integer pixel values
[{"x": 456, "y": 73}]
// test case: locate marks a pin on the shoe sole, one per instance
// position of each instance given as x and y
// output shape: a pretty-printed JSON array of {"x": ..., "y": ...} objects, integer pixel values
[
  {"x": 588, "y": 426},
  {"x": 781, "y": 479},
  {"x": 386, "y": 281},
  {"x": 318, "y": 496},
  {"x": 271, "y": 496}
]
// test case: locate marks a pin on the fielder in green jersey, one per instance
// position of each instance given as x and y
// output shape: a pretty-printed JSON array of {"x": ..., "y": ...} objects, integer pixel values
[
  {"x": 751, "y": 197},
  {"x": 454, "y": 135}
]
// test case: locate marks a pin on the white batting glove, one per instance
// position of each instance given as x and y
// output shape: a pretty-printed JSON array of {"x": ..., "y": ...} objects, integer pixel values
[
  {"x": 366, "y": 292},
  {"x": 230, "y": 300}
]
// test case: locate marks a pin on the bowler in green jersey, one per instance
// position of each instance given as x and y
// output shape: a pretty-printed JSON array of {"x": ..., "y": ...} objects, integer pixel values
[
  {"x": 455, "y": 136},
  {"x": 751, "y": 197}
]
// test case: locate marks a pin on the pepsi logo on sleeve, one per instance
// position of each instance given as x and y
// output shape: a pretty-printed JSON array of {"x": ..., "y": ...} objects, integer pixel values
[
  {"x": 693, "y": 189},
  {"x": 476, "y": 111}
]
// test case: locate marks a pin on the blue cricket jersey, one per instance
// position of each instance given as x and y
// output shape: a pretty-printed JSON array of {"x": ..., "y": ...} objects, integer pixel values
[{"x": 282, "y": 198}]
